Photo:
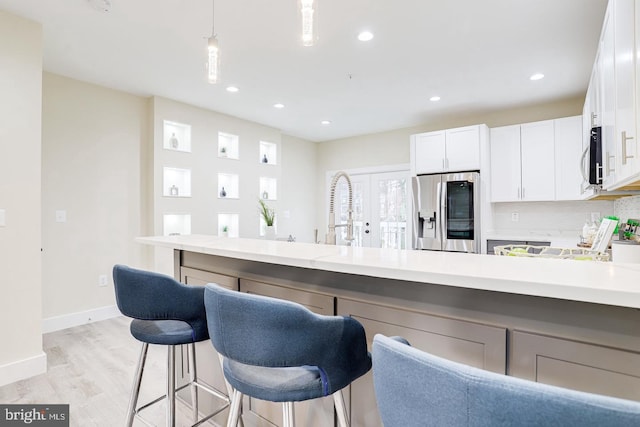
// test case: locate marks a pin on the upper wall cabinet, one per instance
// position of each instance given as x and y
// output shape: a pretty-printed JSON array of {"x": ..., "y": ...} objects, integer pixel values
[
  {"x": 522, "y": 159},
  {"x": 536, "y": 161},
  {"x": 614, "y": 94},
  {"x": 448, "y": 150},
  {"x": 568, "y": 148}
]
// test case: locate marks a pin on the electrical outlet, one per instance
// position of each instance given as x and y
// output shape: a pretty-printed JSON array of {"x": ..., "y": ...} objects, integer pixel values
[
  {"x": 515, "y": 216},
  {"x": 102, "y": 280}
]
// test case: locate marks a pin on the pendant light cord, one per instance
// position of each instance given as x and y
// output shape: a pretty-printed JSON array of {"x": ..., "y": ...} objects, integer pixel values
[{"x": 213, "y": 17}]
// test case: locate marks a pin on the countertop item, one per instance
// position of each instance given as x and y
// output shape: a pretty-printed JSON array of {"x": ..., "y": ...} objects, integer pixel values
[
  {"x": 595, "y": 282},
  {"x": 625, "y": 251}
]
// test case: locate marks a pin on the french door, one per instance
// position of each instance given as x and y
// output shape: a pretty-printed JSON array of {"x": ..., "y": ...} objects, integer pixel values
[{"x": 380, "y": 209}]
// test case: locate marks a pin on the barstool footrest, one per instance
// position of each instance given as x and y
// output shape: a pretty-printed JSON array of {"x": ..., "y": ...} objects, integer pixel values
[{"x": 227, "y": 401}]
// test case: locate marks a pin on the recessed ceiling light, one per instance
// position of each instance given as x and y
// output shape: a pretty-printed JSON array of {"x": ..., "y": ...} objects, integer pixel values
[
  {"x": 232, "y": 89},
  {"x": 278, "y": 105},
  {"x": 434, "y": 98},
  {"x": 365, "y": 36},
  {"x": 537, "y": 76},
  {"x": 325, "y": 122}
]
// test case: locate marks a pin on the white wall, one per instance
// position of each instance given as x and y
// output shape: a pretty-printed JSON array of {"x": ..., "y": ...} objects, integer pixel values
[
  {"x": 91, "y": 169},
  {"x": 20, "y": 132},
  {"x": 298, "y": 206},
  {"x": 294, "y": 171}
]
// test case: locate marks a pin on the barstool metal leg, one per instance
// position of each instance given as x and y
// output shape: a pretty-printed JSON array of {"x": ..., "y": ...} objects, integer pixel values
[
  {"x": 341, "y": 409},
  {"x": 234, "y": 412},
  {"x": 192, "y": 378},
  {"x": 135, "y": 391},
  {"x": 288, "y": 416},
  {"x": 171, "y": 386}
]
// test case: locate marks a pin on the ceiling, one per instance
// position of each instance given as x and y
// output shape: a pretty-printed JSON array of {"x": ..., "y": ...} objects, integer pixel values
[{"x": 476, "y": 55}]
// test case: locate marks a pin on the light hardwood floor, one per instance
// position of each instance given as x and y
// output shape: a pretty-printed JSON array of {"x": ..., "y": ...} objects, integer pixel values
[{"x": 91, "y": 368}]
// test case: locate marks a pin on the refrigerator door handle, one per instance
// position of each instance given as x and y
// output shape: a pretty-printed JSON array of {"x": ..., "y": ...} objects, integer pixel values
[{"x": 443, "y": 209}]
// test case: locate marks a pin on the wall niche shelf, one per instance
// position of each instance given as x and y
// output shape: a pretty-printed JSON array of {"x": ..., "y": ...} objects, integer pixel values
[
  {"x": 228, "y": 186},
  {"x": 176, "y": 182},
  {"x": 231, "y": 221},
  {"x": 268, "y": 188},
  {"x": 176, "y": 136},
  {"x": 268, "y": 153},
  {"x": 176, "y": 224},
  {"x": 228, "y": 145}
]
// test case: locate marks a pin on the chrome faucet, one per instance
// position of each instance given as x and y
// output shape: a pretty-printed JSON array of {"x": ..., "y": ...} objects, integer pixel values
[{"x": 331, "y": 235}]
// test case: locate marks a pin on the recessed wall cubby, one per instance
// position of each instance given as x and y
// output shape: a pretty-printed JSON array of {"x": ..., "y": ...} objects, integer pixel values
[
  {"x": 176, "y": 136},
  {"x": 228, "y": 186},
  {"x": 268, "y": 153},
  {"x": 176, "y": 224},
  {"x": 231, "y": 221},
  {"x": 176, "y": 182},
  {"x": 268, "y": 188},
  {"x": 228, "y": 145}
]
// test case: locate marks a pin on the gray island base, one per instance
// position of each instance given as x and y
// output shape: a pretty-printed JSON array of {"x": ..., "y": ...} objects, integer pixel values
[{"x": 575, "y": 344}]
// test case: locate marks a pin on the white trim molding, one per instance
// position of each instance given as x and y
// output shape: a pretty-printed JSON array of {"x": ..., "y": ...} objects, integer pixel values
[
  {"x": 23, "y": 369},
  {"x": 52, "y": 324}
]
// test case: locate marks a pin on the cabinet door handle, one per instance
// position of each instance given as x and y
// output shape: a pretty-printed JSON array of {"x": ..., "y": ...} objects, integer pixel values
[
  {"x": 609, "y": 168},
  {"x": 624, "y": 147},
  {"x": 518, "y": 193}
]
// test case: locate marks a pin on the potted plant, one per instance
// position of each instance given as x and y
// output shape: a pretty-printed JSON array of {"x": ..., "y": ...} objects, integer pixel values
[
  {"x": 268, "y": 215},
  {"x": 225, "y": 231}
]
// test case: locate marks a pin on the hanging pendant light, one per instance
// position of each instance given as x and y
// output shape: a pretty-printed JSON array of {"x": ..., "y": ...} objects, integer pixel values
[
  {"x": 307, "y": 11},
  {"x": 213, "y": 58}
]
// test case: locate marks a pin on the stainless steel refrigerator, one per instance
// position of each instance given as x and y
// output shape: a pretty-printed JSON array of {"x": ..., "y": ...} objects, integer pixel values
[{"x": 446, "y": 213}]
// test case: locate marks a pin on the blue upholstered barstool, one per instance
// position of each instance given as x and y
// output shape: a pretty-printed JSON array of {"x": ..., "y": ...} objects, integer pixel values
[
  {"x": 414, "y": 388},
  {"x": 164, "y": 312},
  {"x": 279, "y": 351}
]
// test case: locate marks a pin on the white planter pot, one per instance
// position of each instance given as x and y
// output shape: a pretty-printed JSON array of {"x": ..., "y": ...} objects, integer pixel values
[{"x": 270, "y": 232}]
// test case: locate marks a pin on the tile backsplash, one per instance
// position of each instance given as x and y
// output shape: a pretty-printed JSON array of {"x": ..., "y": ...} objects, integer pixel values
[
  {"x": 554, "y": 218},
  {"x": 559, "y": 218},
  {"x": 627, "y": 207}
]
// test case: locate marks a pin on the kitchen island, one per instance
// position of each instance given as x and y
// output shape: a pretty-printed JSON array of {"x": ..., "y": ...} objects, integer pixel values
[{"x": 570, "y": 323}]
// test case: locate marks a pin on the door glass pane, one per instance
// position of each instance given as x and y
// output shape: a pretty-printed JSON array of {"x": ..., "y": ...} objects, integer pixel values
[
  {"x": 358, "y": 209},
  {"x": 392, "y": 197},
  {"x": 460, "y": 210}
]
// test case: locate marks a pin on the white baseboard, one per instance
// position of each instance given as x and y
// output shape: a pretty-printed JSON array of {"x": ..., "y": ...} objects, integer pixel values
[
  {"x": 52, "y": 324},
  {"x": 23, "y": 369}
]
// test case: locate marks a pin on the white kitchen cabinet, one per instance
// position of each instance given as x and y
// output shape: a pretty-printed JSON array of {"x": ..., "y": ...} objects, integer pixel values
[
  {"x": 607, "y": 56},
  {"x": 538, "y": 161},
  {"x": 505, "y": 164},
  {"x": 626, "y": 141},
  {"x": 429, "y": 151},
  {"x": 523, "y": 162},
  {"x": 619, "y": 69},
  {"x": 568, "y": 150},
  {"x": 447, "y": 150}
]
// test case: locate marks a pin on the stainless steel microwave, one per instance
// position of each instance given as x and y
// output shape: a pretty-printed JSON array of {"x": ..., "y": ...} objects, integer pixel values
[{"x": 592, "y": 168}]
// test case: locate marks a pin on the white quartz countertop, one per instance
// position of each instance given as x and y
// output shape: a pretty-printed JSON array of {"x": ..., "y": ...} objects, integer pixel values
[{"x": 586, "y": 281}]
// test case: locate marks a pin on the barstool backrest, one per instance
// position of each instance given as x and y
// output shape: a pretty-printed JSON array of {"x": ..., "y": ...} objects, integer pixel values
[
  {"x": 147, "y": 295},
  {"x": 262, "y": 331},
  {"x": 416, "y": 388}
]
